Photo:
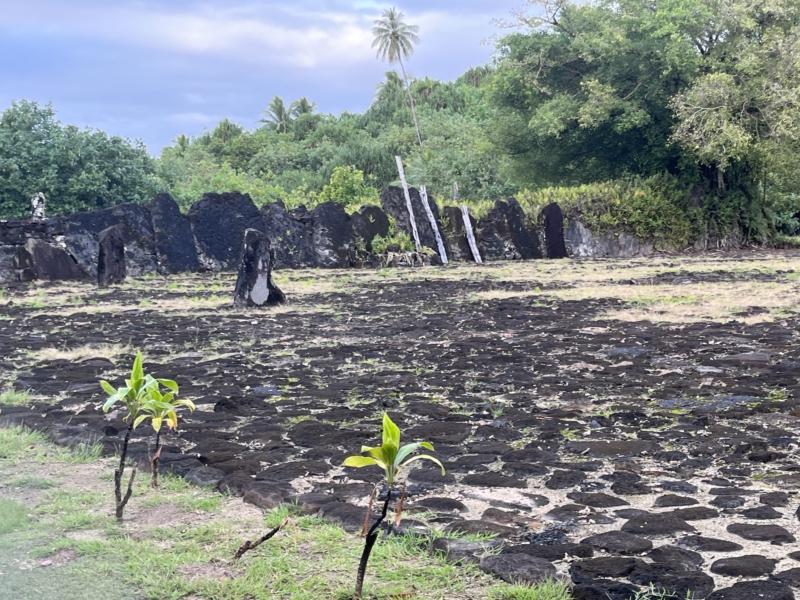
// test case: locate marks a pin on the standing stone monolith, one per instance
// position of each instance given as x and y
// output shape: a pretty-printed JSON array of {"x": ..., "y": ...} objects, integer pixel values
[
  {"x": 110, "y": 257},
  {"x": 37, "y": 207},
  {"x": 553, "y": 221},
  {"x": 254, "y": 286}
]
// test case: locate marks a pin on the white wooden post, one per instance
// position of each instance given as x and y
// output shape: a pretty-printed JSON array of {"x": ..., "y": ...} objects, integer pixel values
[
  {"x": 470, "y": 235},
  {"x": 424, "y": 195},
  {"x": 408, "y": 203}
]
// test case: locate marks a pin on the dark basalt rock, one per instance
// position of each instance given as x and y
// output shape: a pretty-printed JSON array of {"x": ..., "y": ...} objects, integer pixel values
[
  {"x": 442, "y": 505},
  {"x": 468, "y": 527},
  {"x": 506, "y": 233},
  {"x": 254, "y": 285},
  {"x": 16, "y": 265},
  {"x": 657, "y": 524},
  {"x": 670, "y": 500},
  {"x": 584, "y": 571},
  {"x": 778, "y": 499},
  {"x": 696, "y": 513},
  {"x": 597, "y": 499},
  {"x": 516, "y": 568},
  {"x": 618, "y": 542},
  {"x": 751, "y": 565},
  {"x": 334, "y": 243},
  {"x": 603, "y": 589},
  {"x": 493, "y": 480},
  {"x": 551, "y": 552},
  {"x": 728, "y": 502},
  {"x": 81, "y": 231},
  {"x": 111, "y": 257},
  {"x": 52, "y": 263},
  {"x": 350, "y": 517},
  {"x": 462, "y": 551},
  {"x": 774, "y": 534},
  {"x": 678, "y": 558},
  {"x": 204, "y": 476},
  {"x": 561, "y": 480},
  {"x": 291, "y": 238},
  {"x": 750, "y": 590},
  {"x": 552, "y": 219},
  {"x": 174, "y": 242},
  {"x": 218, "y": 224},
  {"x": 761, "y": 512},
  {"x": 456, "y": 233},
  {"x": 789, "y": 577},
  {"x": 704, "y": 544},
  {"x": 368, "y": 223},
  {"x": 393, "y": 201}
]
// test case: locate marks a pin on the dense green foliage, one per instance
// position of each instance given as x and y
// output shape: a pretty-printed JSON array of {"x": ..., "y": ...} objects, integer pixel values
[
  {"x": 684, "y": 111},
  {"x": 75, "y": 169}
]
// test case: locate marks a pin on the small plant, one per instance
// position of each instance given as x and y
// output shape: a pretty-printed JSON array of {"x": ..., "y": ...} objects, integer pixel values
[
  {"x": 142, "y": 398},
  {"x": 392, "y": 458}
]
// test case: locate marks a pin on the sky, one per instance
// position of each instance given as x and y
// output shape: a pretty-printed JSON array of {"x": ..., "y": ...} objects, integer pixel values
[{"x": 152, "y": 70}]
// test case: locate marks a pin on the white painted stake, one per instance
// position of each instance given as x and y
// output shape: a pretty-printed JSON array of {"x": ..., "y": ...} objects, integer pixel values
[
  {"x": 424, "y": 195},
  {"x": 408, "y": 203},
  {"x": 470, "y": 235}
]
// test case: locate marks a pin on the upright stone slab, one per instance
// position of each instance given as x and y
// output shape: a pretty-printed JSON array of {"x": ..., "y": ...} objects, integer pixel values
[
  {"x": 82, "y": 231},
  {"x": 394, "y": 203},
  {"x": 16, "y": 265},
  {"x": 520, "y": 230},
  {"x": 111, "y": 257},
  {"x": 254, "y": 286},
  {"x": 553, "y": 221},
  {"x": 218, "y": 224},
  {"x": 290, "y": 238},
  {"x": 173, "y": 239},
  {"x": 334, "y": 243},
  {"x": 368, "y": 223},
  {"x": 453, "y": 228},
  {"x": 50, "y": 262}
]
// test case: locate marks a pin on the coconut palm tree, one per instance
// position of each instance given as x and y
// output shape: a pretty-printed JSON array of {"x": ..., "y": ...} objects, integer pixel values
[
  {"x": 277, "y": 114},
  {"x": 302, "y": 107},
  {"x": 395, "y": 41}
]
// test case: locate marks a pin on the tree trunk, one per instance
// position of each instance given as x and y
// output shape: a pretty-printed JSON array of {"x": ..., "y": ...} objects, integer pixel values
[
  {"x": 411, "y": 101},
  {"x": 372, "y": 537}
]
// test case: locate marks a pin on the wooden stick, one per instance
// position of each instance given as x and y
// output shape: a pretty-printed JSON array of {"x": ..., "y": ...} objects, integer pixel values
[
  {"x": 470, "y": 235},
  {"x": 369, "y": 511},
  {"x": 399, "y": 512},
  {"x": 248, "y": 545},
  {"x": 410, "y": 207},
  {"x": 424, "y": 195}
]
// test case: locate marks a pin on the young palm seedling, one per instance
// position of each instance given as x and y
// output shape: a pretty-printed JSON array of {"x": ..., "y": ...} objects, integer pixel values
[
  {"x": 390, "y": 457},
  {"x": 137, "y": 398}
]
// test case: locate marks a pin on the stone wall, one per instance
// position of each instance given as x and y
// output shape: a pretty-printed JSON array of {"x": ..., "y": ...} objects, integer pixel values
[{"x": 159, "y": 238}]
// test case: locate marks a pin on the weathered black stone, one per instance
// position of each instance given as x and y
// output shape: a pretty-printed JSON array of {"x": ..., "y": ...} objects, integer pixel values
[
  {"x": 751, "y": 565},
  {"x": 551, "y": 552},
  {"x": 553, "y": 221},
  {"x": 774, "y": 499},
  {"x": 748, "y": 590},
  {"x": 561, "y": 480},
  {"x": 463, "y": 551},
  {"x": 16, "y": 265},
  {"x": 173, "y": 239},
  {"x": 456, "y": 232},
  {"x": 516, "y": 568},
  {"x": 368, "y": 223},
  {"x": 618, "y": 542},
  {"x": 670, "y": 500},
  {"x": 695, "y": 513},
  {"x": 774, "y": 534},
  {"x": 291, "y": 238},
  {"x": 704, "y": 544},
  {"x": 393, "y": 201},
  {"x": 110, "y": 257},
  {"x": 82, "y": 230},
  {"x": 254, "y": 285},
  {"x": 50, "y": 262},
  {"x": 656, "y": 524},
  {"x": 218, "y": 225},
  {"x": 597, "y": 499},
  {"x": 506, "y": 233},
  {"x": 679, "y": 558},
  {"x": 584, "y": 571},
  {"x": 332, "y": 230},
  {"x": 761, "y": 512}
]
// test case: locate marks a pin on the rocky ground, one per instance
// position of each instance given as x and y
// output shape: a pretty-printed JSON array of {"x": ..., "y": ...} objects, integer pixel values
[{"x": 622, "y": 423}]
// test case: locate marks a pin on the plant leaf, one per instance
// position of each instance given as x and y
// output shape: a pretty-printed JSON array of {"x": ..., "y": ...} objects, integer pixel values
[
  {"x": 168, "y": 383},
  {"x": 107, "y": 388},
  {"x": 391, "y": 432},
  {"x": 422, "y": 457},
  {"x": 359, "y": 461},
  {"x": 139, "y": 420},
  {"x": 405, "y": 451}
]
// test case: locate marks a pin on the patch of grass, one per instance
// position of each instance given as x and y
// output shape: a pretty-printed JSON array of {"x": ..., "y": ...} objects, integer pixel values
[
  {"x": 109, "y": 351},
  {"x": 11, "y": 397},
  {"x": 33, "y": 483},
  {"x": 13, "y": 515},
  {"x": 550, "y": 589},
  {"x": 81, "y": 454},
  {"x": 19, "y": 442}
]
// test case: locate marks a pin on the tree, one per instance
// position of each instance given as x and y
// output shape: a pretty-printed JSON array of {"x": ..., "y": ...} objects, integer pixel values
[
  {"x": 277, "y": 115},
  {"x": 395, "y": 41},
  {"x": 75, "y": 169},
  {"x": 302, "y": 107}
]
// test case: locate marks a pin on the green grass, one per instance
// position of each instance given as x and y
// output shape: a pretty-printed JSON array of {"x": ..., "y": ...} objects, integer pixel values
[
  {"x": 32, "y": 483},
  {"x": 19, "y": 442},
  {"x": 546, "y": 590},
  {"x": 10, "y": 397},
  {"x": 13, "y": 515}
]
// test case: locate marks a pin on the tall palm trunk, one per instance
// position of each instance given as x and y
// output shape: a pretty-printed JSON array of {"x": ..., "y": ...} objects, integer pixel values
[{"x": 411, "y": 101}]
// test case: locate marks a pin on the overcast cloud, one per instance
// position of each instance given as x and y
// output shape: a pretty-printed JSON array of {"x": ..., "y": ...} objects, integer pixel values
[{"x": 153, "y": 70}]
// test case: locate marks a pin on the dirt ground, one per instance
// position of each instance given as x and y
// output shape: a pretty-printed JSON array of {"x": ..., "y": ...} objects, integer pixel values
[{"x": 659, "y": 397}]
